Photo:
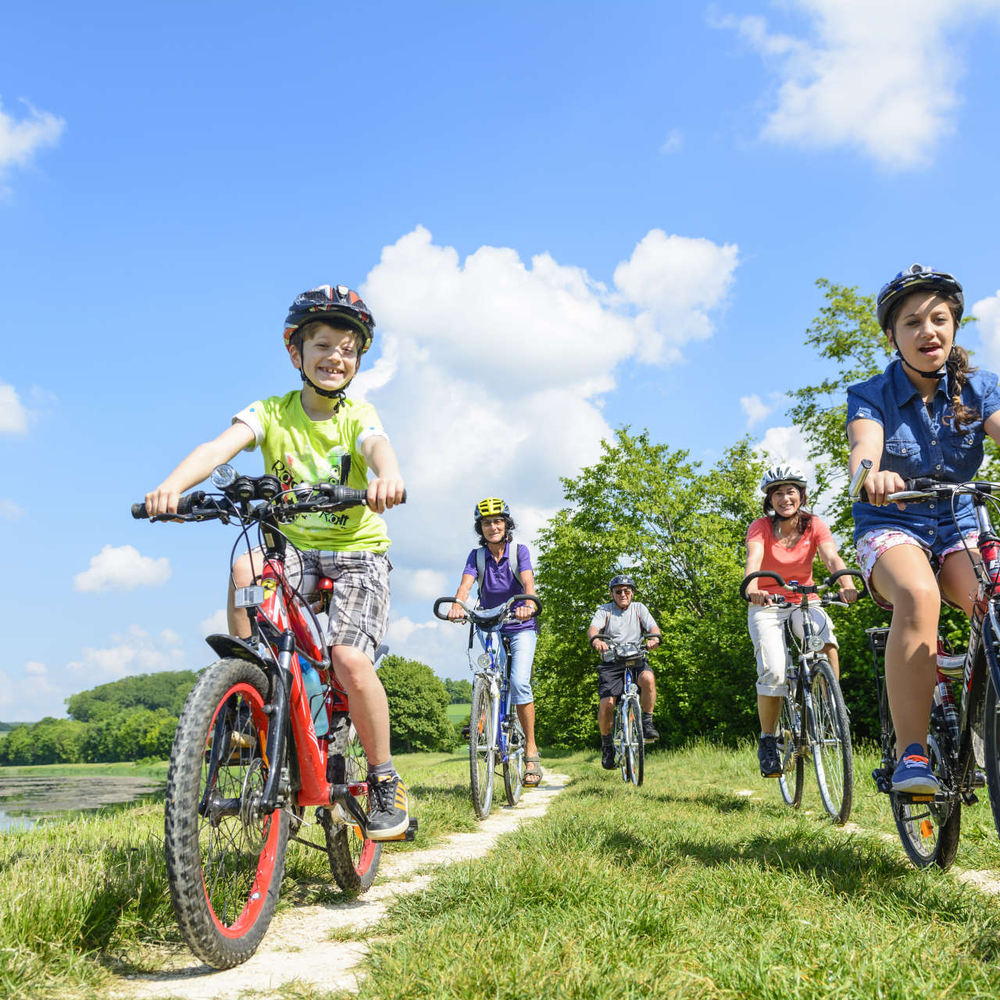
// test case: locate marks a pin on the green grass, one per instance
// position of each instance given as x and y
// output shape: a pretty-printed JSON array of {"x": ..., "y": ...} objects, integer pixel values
[
  {"x": 139, "y": 769},
  {"x": 459, "y": 713},
  {"x": 687, "y": 887}
]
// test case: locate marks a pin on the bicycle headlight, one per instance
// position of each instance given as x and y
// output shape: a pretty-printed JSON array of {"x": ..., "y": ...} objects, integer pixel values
[
  {"x": 484, "y": 661},
  {"x": 815, "y": 643}
]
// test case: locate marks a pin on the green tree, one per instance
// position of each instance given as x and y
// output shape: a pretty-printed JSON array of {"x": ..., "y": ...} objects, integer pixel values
[
  {"x": 166, "y": 690},
  {"x": 459, "y": 692},
  {"x": 648, "y": 510},
  {"x": 418, "y": 706}
]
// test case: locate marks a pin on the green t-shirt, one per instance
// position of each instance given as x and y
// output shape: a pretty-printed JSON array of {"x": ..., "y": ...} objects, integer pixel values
[{"x": 298, "y": 449}]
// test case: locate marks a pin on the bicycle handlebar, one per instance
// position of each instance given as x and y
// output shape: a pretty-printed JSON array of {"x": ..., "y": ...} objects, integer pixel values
[
  {"x": 798, "y": 588},
  {"x": 479, "y": 616},
  {"x": 200, "y": 506},
  {"x": 606, "y": 637}
]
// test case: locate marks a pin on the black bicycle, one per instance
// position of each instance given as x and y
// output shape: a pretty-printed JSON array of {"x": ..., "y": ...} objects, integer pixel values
[
  {"x": 961, "y": 740},
  {"x": 813, "y": 720},
  {"x": 630, "y": 745}
]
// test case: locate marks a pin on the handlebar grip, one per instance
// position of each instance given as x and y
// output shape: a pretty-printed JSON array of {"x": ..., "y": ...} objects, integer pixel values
[
  {"x": 753, "y": 576},
  {"x": 438, "y": 603},
  {"x": 184, "y": 505}
]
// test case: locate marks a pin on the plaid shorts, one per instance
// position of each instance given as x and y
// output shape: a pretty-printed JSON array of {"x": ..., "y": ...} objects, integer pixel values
[{"x": 359, "y": 607}]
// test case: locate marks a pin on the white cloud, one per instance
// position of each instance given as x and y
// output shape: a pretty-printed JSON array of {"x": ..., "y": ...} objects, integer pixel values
[
  {"x": 441, "y": 645},
  {"x": 121, "y": 568},
  {"x": 673, "y": 141},
  {"x": 13, "y": 415},
  {"x": 9, "y": 510},
  {"x": 21, "y": 138},
  {"x": 35, "y": 669},
  {"x": 423, "y": 584},
  {"x": 134, "y": 652},
  {"x": 493, "y": 373},
  {"x": 872, "y": 75},
  {"x": 987, "y": 311},
  {"x": 215, "y": 623},
  {"x": 676, "y": 281},
  {"x": 756, "y": 409}
]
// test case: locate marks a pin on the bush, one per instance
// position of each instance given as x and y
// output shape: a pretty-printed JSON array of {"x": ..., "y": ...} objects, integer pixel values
[{"x": 418, "y": 703}]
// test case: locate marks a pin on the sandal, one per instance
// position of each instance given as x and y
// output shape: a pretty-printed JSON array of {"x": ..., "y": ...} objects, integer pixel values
[{"x": 532, "y": 772}]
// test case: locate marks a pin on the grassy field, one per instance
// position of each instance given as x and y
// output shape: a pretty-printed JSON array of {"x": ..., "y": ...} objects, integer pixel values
[
  {"x": 459, "y": 713},
  {"x": 699, "y": 884}
]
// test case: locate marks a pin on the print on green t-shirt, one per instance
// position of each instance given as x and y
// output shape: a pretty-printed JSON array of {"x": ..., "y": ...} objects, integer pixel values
[{"x": 298, "y": 449}]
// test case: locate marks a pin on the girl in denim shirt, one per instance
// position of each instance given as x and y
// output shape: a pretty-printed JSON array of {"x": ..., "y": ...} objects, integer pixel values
[{"x": 925, "y": 415}]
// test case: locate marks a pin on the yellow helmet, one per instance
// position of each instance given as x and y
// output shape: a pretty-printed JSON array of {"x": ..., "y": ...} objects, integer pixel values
[{"x": 491, "y": 507}]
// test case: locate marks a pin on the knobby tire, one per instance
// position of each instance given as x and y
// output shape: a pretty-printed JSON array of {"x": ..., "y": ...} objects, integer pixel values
[
  {"x": 354, "y": 859},
  {"x": 225, "y": 859}
]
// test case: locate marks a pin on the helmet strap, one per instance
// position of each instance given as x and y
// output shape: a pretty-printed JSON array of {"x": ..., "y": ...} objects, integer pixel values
[
  {"x": 338, "y": 394},
  {"x": 938, "y": 373}
]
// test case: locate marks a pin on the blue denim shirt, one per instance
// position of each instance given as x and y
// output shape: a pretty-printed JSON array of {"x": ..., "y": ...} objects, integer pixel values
[{"x": 919, "y": 442}]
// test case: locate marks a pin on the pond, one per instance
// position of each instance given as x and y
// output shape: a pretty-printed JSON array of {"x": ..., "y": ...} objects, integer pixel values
[{"x": 28, "y": 799}]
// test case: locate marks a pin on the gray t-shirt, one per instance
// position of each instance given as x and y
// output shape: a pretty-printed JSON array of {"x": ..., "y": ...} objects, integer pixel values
[{"x": 623, "y": 626}]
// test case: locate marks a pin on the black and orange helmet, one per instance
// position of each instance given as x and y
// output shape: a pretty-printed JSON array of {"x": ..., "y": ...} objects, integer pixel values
[{"x": 331, "y": 302}]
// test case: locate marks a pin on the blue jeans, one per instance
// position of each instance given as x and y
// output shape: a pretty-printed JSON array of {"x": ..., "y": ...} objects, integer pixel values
[{"x": 522, "y": 649}]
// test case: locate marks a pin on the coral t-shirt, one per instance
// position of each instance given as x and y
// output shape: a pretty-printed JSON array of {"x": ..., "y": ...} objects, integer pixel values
[{"x": 790, "y": 564}]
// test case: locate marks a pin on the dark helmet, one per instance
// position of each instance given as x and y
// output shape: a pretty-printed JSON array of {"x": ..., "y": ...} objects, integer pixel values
[
  {"x": 912, "y": 279},
  {"x": 621, "y": 581},
  {"x": 331, "y": 302}
]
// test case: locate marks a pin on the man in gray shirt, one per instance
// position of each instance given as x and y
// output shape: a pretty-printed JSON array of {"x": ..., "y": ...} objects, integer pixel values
[{"x": 624, "y": 620}]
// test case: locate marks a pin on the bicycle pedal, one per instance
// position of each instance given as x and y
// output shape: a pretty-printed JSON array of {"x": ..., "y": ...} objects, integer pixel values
[{"x": 410, "y": 834}]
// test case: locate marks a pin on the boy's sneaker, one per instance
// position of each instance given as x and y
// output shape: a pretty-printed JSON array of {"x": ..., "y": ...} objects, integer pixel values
[
  {"x": 649, "y": 733},
  {"x": 913, "y": 773},
  {"x": 388, "y": 812},
  {"x": 767, "y": 755},
  {"x": 608, "y": 757}
]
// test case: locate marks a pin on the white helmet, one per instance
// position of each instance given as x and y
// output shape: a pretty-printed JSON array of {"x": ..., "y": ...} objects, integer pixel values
[{"x": 778, "y": 475}]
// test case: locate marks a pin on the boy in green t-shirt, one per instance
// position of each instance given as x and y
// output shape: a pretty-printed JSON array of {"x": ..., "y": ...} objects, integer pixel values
[{"x": 303, "y": 437}]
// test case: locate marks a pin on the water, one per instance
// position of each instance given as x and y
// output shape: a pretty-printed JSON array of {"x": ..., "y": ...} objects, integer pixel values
[{"x": 30, "y": 799}]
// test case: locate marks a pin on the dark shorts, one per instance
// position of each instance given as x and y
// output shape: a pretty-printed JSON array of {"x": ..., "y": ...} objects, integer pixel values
[{"x": 611, "y": 677}]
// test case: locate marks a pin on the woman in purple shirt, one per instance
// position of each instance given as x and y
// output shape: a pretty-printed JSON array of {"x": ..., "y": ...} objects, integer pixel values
[
  {"x": 494, "y": 525},
  {"x": 924, "y": 416}
]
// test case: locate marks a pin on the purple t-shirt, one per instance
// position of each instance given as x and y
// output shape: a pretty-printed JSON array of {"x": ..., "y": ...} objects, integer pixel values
[{"x": 499, "y": 583}]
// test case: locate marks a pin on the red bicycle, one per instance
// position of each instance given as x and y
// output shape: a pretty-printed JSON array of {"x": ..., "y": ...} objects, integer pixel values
[{"x": 246, "y": 761}]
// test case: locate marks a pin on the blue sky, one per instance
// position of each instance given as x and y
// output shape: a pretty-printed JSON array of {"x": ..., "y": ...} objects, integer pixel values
[{"x": 564, "y": 217}]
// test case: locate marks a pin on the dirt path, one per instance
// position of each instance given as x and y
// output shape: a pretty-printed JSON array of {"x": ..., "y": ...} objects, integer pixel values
[{"x": 296, "y": 946}]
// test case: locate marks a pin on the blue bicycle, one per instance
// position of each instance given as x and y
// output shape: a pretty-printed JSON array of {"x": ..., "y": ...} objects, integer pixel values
[{"x": 495, "y": 733}]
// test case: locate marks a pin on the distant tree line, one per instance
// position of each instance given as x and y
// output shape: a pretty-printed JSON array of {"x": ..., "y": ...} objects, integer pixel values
[{"x": 125, "y": 720}]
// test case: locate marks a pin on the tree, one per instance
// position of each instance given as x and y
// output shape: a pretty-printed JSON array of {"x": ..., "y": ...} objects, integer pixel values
[
  {"x": 648, "y": 510},
  {"x": 418, "y": 706},
  {"x": 165, "y": 690},
  {"x": 459, "y": 692}
]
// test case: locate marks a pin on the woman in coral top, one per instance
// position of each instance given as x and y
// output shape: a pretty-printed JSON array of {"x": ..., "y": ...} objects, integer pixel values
[{"x": 785, "y": 541}]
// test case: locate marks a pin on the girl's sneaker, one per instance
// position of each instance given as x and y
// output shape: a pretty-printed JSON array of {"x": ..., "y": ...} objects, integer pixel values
[{"x": 913, "y": 773}]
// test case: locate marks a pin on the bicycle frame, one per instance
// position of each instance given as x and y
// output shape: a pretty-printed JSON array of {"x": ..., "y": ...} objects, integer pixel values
[{"x": 496, "y": 673}]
